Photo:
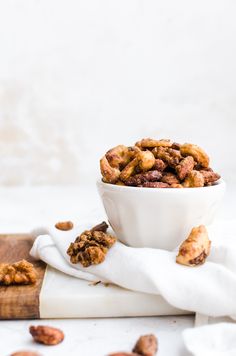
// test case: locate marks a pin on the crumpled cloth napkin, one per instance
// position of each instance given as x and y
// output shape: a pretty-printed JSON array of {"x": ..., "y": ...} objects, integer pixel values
[
  {"x": 208, "y": 289},
  {"x": 211, "y": 340}
]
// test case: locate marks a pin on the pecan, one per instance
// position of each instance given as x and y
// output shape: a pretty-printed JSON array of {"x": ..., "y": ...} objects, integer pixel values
[
  {"x": 154, "y": 185},
  {"x": 209, "y": 176},
  {"x": 185, "y": 167},
  {"x": 139, "y": 179},
  {"x": 159, "y": 165},
  {"x": 46, "y": 334},
  {"x": 25, "y": 353},
  {"x": 100, "y": 227},
  {"x": 146, "y": 345},
  {"x": 194, "y": 179},
  {"x": 21, "y": 272},
  {"x": 90, "y": 247},
  {"x": 168, "y": 155},
  {"x": 195, "y": 249},
  {"x": 169, "y": 178},
  {"x": 196, "y": 152},
  {"x": 64, "y": 225}
]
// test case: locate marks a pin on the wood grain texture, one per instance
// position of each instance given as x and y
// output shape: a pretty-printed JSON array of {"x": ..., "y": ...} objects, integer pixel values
[{"x": 20, "y": 302}]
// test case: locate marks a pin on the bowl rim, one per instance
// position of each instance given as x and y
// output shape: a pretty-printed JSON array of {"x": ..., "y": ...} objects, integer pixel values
[{"x": 220, "y": 184}]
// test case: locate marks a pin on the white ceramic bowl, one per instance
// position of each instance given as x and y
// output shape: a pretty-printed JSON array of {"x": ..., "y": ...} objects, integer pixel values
[{"x": 158, "y": 217}]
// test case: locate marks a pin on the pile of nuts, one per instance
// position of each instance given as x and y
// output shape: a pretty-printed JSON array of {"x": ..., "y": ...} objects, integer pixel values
[{"x": 157, "y": 164}]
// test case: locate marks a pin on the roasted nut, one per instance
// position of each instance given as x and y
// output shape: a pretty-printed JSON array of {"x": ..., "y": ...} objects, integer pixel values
[
  {"x": 90, "y": 248},
  {"x": 118, "y": 156},
  {"x": 154, "y": 185},
  {"x": 209, "y": 176},
  {"x": 21, "y": 272},
  {"x": 159, "y": 165},
  {"x": 129, "y": 170},
  {"x": 176, "y": 186},
  {"x": 176, "y": 146},
  {"x": 46, "y": 335},
  {"x": 64, "y": 225},
  {"x": 25, "y": 353},
  {"x": 169, "y": 178},
  {"x": 109, "y": 173},
  {"x": 139, "y": 179},
  {"x": 150, "y": 143},
  {"x": 185, "y": 167},
  {"x": 168, "y": 155},
  {"x": 146, "y": 160},
  {"x": 195, "y": 249},
  {"x": 196, "y": 152},
  {"x": 193, "y": 180},
  {"x": 100, "y": 227},
  {"x": 146, "y": 345}
]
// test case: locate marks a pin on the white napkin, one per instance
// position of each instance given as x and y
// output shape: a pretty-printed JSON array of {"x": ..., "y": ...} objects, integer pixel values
[
  {"x": 208, "y": 289},
  {"x": 211, "y": 340}
]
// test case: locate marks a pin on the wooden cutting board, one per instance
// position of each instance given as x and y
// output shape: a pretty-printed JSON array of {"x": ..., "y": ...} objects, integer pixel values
[
  {"x": 57, "y": 295},
  {"x": 20, "y": 302}
]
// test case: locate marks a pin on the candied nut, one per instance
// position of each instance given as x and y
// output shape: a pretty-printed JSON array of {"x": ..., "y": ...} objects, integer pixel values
[
  {"x": 64, "y": 225},
  {"x": 195, "y": 249},
  {"x": 21, "y": 272},
  {"x": 159, "y": 165},
  {"x": 90, "y": 247},
  {"x": 168, "y": 155},
  {"x": 176, "y": 146},
  {"x": 139, "y": 179},
  {"x": 169, "y": 178},
  {"x": 194, "y": 179},
  {"x": 150, "y": 143},
  {"x": 209, "y": 176},
  {"x": 100, "y": 227},
  {"x": 196, "y": 152},
  {"x": 118, "y": 156},
  {"x": 154, "y": 185},
  {"x": 25, "y": 353},
  {"x": 46, "y": 335},
  {"x": 146, "y": 345},
  {"x": 176, "y": 186},
  {"x": 128, "y": 170},
  {"x": 146, "y": 160},
  {"x": 109, "y": 173},
  {"x": 185, "y": 167}
]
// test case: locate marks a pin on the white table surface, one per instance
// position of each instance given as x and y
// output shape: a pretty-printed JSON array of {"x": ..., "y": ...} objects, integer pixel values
[{"x": 25, "y": 208}]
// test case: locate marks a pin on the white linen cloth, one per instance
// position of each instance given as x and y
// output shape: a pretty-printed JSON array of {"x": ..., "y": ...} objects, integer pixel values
[
  {"x": 208, "y": 289},
  {"x": 211, "y": 340}
]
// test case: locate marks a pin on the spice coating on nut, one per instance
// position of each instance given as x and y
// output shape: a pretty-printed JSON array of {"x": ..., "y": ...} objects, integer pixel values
[
  {"x": 146, "y": 345},
  {"x": 46, "y": 335}
]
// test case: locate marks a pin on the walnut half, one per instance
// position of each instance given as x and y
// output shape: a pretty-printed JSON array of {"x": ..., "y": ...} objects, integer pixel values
[
  {"x": 91, "y": 247},
  {"x": 195, "y": 249},
  {"x": 21, "y": 272}
]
